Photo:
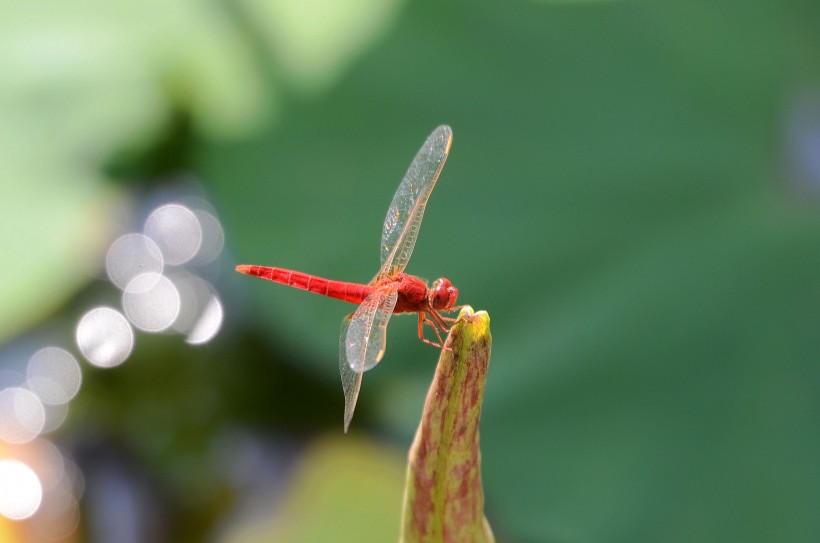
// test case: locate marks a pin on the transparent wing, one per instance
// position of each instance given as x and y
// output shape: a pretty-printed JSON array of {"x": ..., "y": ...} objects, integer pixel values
[
  {"x": 351, "y": 380},
  {"x": 401, "y": 226},
  {"x": 362, "y": 343}
]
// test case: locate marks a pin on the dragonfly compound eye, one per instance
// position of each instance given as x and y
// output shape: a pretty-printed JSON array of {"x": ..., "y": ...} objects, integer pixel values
[{"x": 443, "y": 294}]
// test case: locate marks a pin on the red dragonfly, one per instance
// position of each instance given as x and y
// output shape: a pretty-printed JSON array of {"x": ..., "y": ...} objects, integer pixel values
[{"x": 363, "y": 335}]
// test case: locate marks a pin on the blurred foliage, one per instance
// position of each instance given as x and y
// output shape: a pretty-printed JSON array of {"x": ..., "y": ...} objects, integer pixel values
[
  {"x": 84, "y": 80},
  {"x": 313, "y": 41},
  {"x": 620, "y": 195},
  {"x": 344, "y": 489}
]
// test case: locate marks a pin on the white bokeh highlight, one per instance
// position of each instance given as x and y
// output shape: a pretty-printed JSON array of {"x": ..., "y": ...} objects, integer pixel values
[
  {"x": 56, "y": 415},
  {"x": 151, "y": 302},
  {"x": 22, "y": 415},
  {"x": 213, "y": 237},
  {"x": 160, "y": 272},
  {"x": 54, "y": 375},
  {"x": 104, "y": 337},
  {"x": 177, "y": 232},
  {"x": 131, "y": 255},
  {"x": 208, "y": 324},
  {"x": 58, "y": 515},
  {"x": 20, "y": 490}
]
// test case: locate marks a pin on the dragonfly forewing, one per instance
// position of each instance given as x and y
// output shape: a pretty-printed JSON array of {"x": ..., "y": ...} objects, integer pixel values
[{"x": 403, "y": 220}]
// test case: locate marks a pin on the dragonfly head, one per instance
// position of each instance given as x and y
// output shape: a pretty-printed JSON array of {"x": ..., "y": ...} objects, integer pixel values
[{"x": 443, "y": 294}]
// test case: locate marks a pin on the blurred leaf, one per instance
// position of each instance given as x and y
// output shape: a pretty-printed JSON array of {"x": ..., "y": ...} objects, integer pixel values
[
  {"x": 344, "y": 489},
  {"x": 315, "y": 40},
  {"x": 444, "y": 499},
  {"x": 81, "y": 82}
]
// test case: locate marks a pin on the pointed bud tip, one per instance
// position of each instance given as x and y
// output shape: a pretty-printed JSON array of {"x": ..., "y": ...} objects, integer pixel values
[{"x": 479, "y": 322}]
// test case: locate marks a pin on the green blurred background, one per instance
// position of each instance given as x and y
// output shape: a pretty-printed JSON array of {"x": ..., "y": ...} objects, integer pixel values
[{"x": 632, "y": 194}]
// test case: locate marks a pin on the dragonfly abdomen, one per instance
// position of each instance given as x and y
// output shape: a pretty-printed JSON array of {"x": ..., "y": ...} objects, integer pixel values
[{"x": 341, "y": 290}]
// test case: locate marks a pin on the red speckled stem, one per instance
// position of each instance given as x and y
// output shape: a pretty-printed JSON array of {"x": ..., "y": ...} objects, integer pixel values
[{"x": 444, "y": 498}]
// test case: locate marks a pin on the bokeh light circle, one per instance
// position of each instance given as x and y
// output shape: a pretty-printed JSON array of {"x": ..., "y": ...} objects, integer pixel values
[
  {"x": 213, "y": 237},
  {"x": 208, "y": 323},
  {"x": 22, "y": 415},
  {"x": 151, "y": 302},
  {"x": 48, "y": 461},
  {"x": 56, "y": 415},
  {"x": 177, "y": 232},
  {"x": 131, "y": 255},
  {"x": 54, "y": 375},
  {"x": 20, "y": 490},
  {"x": 104, "y": 337}
]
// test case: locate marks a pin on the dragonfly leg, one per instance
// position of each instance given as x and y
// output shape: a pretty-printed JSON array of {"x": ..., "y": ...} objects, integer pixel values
[
  {"x": 454, "y": 308},
  {"x": 424, "y": 320},
  {"x": 439, "y": 321}
]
